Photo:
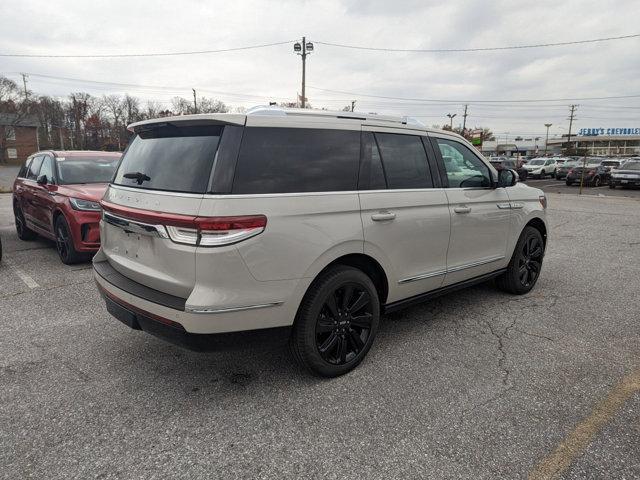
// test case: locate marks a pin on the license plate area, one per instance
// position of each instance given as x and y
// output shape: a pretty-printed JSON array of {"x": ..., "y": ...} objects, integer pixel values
[{"x": 125, "y": 316}]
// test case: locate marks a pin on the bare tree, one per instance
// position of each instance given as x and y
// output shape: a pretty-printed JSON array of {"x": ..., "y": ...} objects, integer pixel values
[
  {"x": 115, "y": 106},
  {"x": 16, "y": 108}
]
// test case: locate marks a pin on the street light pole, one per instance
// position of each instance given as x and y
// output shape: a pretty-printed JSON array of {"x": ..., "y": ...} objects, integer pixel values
[
  {"x": 451, "y": 120},
  {"x": 303, "y": 50},
  {"x": 546, "y": 142}
]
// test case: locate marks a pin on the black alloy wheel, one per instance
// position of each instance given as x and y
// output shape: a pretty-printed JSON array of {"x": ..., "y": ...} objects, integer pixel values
[
  {"x": 530, "y": 261},
  {"x": 64, "y": 243},
  {"x": 597, "y": 181},
  {"x": 524, "y": 268},
  {"x": 344, "y": 324},
  {"x": 24, "y": 232},
  {"x": 337, "y": 322}
]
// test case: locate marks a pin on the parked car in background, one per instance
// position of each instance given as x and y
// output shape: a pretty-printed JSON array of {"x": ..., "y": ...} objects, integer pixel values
[
  {"x": 541, "y": 167},
  {"x": 315, "y": 221},
  {"x": 627, "y": 175},
  {"x": 596, "y": 173},
  {"x": 563, "y": 169},
  {"x": 57, "y": 195},
  {"x": 500, "y": 163},
  {"x": 0, "y": 248}
]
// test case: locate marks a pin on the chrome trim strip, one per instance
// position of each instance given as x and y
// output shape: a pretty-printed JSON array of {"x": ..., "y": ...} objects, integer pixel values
[
  {"x": 517, "y": 205},
  {"x": 115, "y": 186},
  {"x": 131, "y": 226},
  {"x": 503, "y": 206},
  {"x": 422, "y": 276},
  {"x": 475, "y": 264},
  {"x": 232, "y": 309},
  {"x": 436, "y": 273}
]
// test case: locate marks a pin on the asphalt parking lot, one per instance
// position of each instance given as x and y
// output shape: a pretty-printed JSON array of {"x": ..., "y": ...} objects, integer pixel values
[{"x": 477, "y": 384}]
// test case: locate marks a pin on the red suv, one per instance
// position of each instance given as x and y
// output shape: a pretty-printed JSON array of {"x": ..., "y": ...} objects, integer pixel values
[{"x": 57, "y": 194}]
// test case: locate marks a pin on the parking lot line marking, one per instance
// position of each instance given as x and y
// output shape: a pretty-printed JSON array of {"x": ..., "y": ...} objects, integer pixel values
[
  {"x": 554, "y": 465},
  {"x": 28, "y": 281}
]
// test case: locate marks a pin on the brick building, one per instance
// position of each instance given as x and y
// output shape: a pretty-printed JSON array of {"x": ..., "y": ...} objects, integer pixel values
[{"x": 18, "y": 137}]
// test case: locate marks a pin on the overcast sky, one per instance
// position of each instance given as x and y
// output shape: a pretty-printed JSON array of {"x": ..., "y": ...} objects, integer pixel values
[{"x": 253, "y": 77}]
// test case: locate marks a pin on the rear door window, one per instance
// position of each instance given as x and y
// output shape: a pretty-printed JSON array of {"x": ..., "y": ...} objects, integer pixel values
[
  {"x": 287, "y": 160},
  {"x": 404, "y": 160},
  {"x": 170, "y": 157}
]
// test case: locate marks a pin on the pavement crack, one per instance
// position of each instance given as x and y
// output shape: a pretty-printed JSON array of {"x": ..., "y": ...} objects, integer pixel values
[{"x": 500, "y": 336}]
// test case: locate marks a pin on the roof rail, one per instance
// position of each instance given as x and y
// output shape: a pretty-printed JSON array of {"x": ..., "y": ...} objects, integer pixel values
[{"x": 279, "y": 111}]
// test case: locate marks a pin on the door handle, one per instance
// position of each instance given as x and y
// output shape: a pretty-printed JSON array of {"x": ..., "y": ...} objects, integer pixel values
[
  {"x": 462, "y": 209},
  {"x": 383, "y": 216}
]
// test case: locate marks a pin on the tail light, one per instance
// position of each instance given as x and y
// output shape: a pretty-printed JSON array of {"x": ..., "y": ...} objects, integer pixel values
[
  {"x": 570, "y": 172},
  {"x": 218, "y": 231},
  {"x": 191, "y": 230},
  {"x": 591, "y": 172}
]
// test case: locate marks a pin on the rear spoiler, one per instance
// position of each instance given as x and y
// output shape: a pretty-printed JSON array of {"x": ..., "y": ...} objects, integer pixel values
[{"x": 190, "y": 120}]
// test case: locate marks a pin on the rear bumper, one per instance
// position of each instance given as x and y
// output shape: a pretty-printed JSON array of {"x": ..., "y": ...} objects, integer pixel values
[
  {"x": 169, "y": 317},
  {"x": 623, "y": 182},
  {"x": 177, "y": 335}
]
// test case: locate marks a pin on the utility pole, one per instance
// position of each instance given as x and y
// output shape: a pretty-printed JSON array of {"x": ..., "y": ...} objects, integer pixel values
[
  {"x": 546, "y": 142},
  {"x": 451, "y": 120},
  {"x": 24, "y": 82},
  {"x": 303, "y": 49},
  {"x": 195, "y": 102},
  {"x": 353, "y": 105},
  {"x": 571, "y": 119},
  {"x": 464, "y": 122}
]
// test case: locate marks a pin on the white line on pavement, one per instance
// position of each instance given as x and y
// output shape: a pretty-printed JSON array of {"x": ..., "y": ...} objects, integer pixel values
[{"x": 28, "y": 281}]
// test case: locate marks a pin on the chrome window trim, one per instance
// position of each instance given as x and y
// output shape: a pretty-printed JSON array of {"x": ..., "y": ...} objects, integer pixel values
[{"x": 232, "y": 309}]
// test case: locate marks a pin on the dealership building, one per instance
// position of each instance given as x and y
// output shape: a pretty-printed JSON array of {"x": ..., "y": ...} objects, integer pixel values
[
  {"x": 595, "y": 141},
  {"x": 603, "y": 141}
]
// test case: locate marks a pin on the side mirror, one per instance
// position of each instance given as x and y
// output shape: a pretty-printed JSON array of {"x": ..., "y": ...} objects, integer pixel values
[
  {"x": 42, "y": 180},
  {"x": 507, "y": 178}
]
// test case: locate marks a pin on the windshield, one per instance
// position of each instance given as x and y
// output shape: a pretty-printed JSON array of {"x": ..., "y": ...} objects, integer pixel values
[
  {"x": 610, "y": 163},
  {"x": 536, "y": 162},
  {"x": 86, "y": 169},
  {"x": 169, "y": 157}
]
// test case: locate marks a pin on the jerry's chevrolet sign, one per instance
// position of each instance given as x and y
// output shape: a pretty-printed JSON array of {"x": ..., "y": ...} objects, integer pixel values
[{"x": 592, "y": 132}]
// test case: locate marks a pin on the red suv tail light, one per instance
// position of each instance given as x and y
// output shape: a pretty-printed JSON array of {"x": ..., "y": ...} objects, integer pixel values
[{"x": 191, "y": 230}]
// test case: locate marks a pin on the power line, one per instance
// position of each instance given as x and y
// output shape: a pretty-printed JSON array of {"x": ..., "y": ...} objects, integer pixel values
[
  {"x": 156, "y": 54},
  {"x": 477, "y": 49},
  {"x": 472, "y": 101}
]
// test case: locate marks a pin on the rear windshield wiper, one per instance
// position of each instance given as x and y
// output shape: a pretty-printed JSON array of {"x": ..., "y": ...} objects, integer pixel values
[{"x": 137, "y": 176}]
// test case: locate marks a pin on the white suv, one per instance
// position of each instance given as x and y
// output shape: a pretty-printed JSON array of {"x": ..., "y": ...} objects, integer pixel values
[
  {"x": 541, "y": 167},
  {"x": 311, "y": 220}
]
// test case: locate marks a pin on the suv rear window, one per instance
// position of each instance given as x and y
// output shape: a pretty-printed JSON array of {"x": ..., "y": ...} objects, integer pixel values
[
  {"x": 169, "y": 157},
  {"x": 287, "y": 160}
]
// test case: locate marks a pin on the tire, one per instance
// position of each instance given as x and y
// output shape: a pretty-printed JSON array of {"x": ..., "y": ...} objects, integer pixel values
[
  {"x": 542, "y": 175},
  {"x": 64, "y": 243},
  {"x": 596, "y": 182},
  {"x": 612, "y": 185},
  {"x": 568, "y": 183},
  {"x": 336, "y": 323},
  {"x": 525, "y": 265},
  {"x": 24, "y": 232}
]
